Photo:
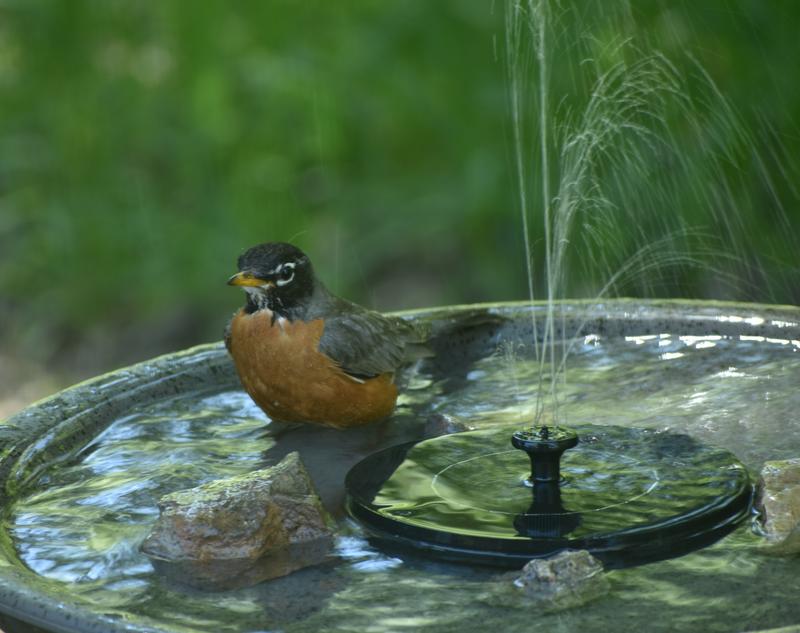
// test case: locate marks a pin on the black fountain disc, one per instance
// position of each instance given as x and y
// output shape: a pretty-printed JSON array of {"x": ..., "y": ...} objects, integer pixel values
[{"x": 627, "y": 495}]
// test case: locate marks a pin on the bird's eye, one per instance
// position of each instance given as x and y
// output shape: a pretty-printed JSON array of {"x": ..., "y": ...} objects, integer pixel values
[{"x": 285, "y": 274}]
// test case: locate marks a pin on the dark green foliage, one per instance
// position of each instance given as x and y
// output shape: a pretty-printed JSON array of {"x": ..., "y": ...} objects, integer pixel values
[{"x": 144, "y": 145}]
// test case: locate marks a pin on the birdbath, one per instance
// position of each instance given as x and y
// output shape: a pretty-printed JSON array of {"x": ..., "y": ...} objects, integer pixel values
[{"x": 82, "y": 473}]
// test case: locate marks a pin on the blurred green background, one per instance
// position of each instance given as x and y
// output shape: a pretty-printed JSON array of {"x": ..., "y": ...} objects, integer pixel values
[{"x": 144, "y": 145}]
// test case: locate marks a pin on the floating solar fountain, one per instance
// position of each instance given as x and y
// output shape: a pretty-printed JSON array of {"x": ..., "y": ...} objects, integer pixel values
[{"x": 625, "y": 494}]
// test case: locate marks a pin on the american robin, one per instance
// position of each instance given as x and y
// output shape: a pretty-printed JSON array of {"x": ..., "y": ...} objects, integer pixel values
[{"x": 306, "y": 355}]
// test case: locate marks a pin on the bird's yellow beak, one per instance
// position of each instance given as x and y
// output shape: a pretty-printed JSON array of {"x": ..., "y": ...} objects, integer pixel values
[{"x": 245, "y": 278}]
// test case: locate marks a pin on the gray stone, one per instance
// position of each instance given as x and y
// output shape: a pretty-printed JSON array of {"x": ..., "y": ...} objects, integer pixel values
[
  {"x": 563, "y": 581},
  {"x": 443, "y": 424},
  {"x": 242, "y": 530},
  {"x": 778, "y": 503}
]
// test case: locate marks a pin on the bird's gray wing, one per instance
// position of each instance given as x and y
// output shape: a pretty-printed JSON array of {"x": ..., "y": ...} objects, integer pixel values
[{"x": 365, "y": 344}]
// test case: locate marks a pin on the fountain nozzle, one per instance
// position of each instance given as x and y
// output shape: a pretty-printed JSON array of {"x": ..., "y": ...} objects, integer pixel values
[{"x": 544, "y": 447}]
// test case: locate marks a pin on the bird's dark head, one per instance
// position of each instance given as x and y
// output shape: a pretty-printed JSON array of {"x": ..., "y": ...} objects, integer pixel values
[{"x": 275, "y": 275}]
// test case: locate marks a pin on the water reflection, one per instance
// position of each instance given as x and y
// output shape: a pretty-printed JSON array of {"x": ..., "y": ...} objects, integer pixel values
[
  {"x": 547, "y": 518},
  {"x": 81, "y": 525}
]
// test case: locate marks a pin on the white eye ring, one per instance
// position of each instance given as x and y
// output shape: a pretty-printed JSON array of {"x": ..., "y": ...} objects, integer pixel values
[{"x": 280, "y": 270}]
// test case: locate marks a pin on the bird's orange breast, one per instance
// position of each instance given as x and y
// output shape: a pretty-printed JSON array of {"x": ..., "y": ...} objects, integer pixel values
[{"x": 282, "y": 369}]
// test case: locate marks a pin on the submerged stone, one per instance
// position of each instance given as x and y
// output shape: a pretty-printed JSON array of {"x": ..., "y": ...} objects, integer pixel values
[
  {"x": 565, "y": 580},
  {"x": 778, "y": 503},
  {"x": 239, "y": 531},
  {"x": 443, "y": 424}
]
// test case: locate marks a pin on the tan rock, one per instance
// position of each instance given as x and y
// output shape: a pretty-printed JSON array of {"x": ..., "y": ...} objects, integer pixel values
[
  {"x": 241, "y": 530},
  {"x": 565, "y": 580},
  {"x": 778, "y": 503}
]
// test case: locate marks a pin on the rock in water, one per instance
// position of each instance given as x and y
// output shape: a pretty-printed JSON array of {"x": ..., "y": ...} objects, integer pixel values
[
  {"x": 242, "y": 530},
  {"x": 566, "y": 580},
  {"x": 443, "y": 424},
  {"x": 778, "y": 502}
]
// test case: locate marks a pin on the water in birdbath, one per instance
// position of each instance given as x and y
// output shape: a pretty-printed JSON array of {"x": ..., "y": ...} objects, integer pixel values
[{"x": 75, "y": 526}]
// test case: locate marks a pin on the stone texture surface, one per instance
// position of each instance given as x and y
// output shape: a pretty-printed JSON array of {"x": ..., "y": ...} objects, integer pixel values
[
  {"x": 443, "y": 424},
  {"x": 238, "y": 531},
  {"x": 563, "y": 581},
  {"x": 778, "y": 502}
]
